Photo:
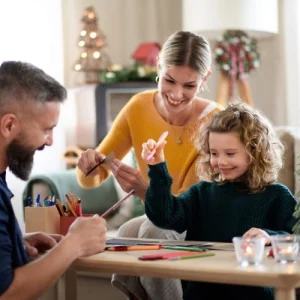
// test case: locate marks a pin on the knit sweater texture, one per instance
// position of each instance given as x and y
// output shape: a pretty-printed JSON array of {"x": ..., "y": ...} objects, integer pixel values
[
  {"x": 217, "y": 212},
  {"x": 139, "y": 121}
]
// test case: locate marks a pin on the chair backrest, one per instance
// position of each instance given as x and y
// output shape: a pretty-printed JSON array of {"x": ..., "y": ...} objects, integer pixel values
[
  {"x": 96, "y": 200},
  {"x": 290, "y": 137}
]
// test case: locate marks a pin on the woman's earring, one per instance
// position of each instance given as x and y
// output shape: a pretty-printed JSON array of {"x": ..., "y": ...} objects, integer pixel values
[{"x": 157, "y": 79}]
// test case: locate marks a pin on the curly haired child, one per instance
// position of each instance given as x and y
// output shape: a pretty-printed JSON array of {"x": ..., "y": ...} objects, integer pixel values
[{"x": 240, "y": 158}]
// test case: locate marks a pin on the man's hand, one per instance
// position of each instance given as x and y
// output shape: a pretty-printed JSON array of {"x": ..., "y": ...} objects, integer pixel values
[
  {"x": 39, "y": 242},
  {"x": 129, "y": 178},
  {"x": 88, "y": 235}
]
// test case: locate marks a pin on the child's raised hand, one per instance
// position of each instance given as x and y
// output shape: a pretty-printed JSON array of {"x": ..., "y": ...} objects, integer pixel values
[
  {"x": 153, "y": 153},
  {"x": 256, "y": 232}
]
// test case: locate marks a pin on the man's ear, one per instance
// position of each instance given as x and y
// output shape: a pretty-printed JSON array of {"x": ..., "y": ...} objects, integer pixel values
[{"x": 9, "y": 125}]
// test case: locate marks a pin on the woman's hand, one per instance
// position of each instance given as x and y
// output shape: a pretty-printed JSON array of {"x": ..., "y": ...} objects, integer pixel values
[
  {"x": 129, "y": 178},
  {"x": 256, "y": 232},
  {"x": 157, "y": 149},
  {"x": 88, "y": 159}
]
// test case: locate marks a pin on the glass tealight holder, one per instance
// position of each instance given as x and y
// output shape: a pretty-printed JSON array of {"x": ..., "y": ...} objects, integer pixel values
[
  {"x": 285, "y": 248},
  {"x": 249, "y": 251}
]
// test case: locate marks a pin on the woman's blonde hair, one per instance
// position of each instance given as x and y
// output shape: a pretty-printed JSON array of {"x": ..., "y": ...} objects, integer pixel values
[
  {"x": 184, "y": 48},
  {"x": 256, "y": 133}
]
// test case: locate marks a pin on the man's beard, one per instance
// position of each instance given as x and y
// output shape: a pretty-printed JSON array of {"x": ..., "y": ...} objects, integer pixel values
[{"x": 20, "y": 157}]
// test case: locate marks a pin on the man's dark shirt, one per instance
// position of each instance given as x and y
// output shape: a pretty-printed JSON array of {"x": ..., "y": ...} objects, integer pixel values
[{"x": 12, "y": 251}]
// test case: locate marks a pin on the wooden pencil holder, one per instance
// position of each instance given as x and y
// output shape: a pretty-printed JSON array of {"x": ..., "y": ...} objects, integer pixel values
[{"x": 45, "y": 219}]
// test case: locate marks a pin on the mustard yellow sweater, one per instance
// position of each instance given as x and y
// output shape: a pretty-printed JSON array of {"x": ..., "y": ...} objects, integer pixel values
[{"x": 135, "y": 124}]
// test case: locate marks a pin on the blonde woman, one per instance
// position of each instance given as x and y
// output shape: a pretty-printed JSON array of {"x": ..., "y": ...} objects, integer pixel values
[{"x": 183, "y": 68}]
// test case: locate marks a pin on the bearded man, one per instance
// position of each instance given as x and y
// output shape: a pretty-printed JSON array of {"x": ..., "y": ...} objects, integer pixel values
[{"x": 29, "y": 110}]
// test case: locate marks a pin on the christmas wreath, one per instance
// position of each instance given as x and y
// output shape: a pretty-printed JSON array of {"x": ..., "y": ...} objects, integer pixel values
[{"x": 236, "y": 54}]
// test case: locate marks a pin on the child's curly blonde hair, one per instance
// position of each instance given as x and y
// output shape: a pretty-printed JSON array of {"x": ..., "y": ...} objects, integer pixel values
[{"x": 256, "y": 133}]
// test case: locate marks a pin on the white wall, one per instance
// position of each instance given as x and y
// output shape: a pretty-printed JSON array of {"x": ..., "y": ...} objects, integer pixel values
[
  {"x": 31, "y": 31},
  {"x": 290, "y": 38}
]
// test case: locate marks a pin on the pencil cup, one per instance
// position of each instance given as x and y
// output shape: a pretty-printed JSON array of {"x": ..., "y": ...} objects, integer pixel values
[
  {"x": 44, "y": 219},
  {"x": 249, "y": 251},
  {"x": 285, "y": 248},
  {"x": 66, "y": 222}
]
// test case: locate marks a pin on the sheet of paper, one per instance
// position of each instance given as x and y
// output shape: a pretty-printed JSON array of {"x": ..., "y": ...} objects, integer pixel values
[
  {"x": 186, "y": 243},
  {"x": 128, "y": 242}
]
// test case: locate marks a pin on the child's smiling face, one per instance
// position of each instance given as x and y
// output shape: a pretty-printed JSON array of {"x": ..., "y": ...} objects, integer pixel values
[{"x": 228, "y": 155}]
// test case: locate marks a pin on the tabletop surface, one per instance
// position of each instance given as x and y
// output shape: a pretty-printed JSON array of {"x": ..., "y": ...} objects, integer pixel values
[{"x": 222, "y": 268}]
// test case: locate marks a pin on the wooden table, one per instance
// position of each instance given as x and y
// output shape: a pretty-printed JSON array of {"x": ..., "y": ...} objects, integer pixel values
[{"x": 221, "y": 268}]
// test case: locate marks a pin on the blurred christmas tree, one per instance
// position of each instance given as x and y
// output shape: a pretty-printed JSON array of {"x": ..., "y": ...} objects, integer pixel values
[{"x": 93, "y": 58}]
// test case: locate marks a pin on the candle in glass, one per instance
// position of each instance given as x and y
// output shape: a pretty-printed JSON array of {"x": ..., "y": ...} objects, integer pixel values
[
  {"x": 288, "y": 253},
  {"x": 249, "y": 251},
  {"x": 285, "y": 248}
]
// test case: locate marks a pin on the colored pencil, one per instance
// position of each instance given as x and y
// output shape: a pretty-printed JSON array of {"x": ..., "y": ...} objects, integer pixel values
[
  {"x": 107, "y": 159},
  {"x": 187, "y": 248},
  {"x": 160, "y": 140},
  {"x": 110, "y": 210},
  {"x": 135, "y": 248},
  {"x": 192, "y": 256}
]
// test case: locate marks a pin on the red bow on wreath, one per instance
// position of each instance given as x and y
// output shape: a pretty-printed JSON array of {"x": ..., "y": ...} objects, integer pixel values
[{"x": 236, "y": 55}]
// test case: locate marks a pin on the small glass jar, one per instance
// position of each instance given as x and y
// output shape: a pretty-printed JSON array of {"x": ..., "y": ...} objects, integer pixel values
[
  {"x": 285, "y": 248},
  {"x": 249, "y": 251}
]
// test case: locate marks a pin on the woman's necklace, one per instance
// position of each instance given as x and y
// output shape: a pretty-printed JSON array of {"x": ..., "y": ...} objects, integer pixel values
[
  {"x": 178, "y": 136},
  {"x": 181, "y": 128}
]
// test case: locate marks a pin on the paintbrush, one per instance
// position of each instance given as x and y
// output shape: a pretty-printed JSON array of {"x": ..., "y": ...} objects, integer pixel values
[{"x": 106, "y": 160}]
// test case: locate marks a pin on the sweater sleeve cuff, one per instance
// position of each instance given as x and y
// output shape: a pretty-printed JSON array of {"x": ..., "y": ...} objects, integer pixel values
[{"x": 159, "y": 174}]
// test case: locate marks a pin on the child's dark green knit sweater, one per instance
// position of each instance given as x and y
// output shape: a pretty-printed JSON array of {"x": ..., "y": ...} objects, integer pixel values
[{"x": 217, "y": 212}]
